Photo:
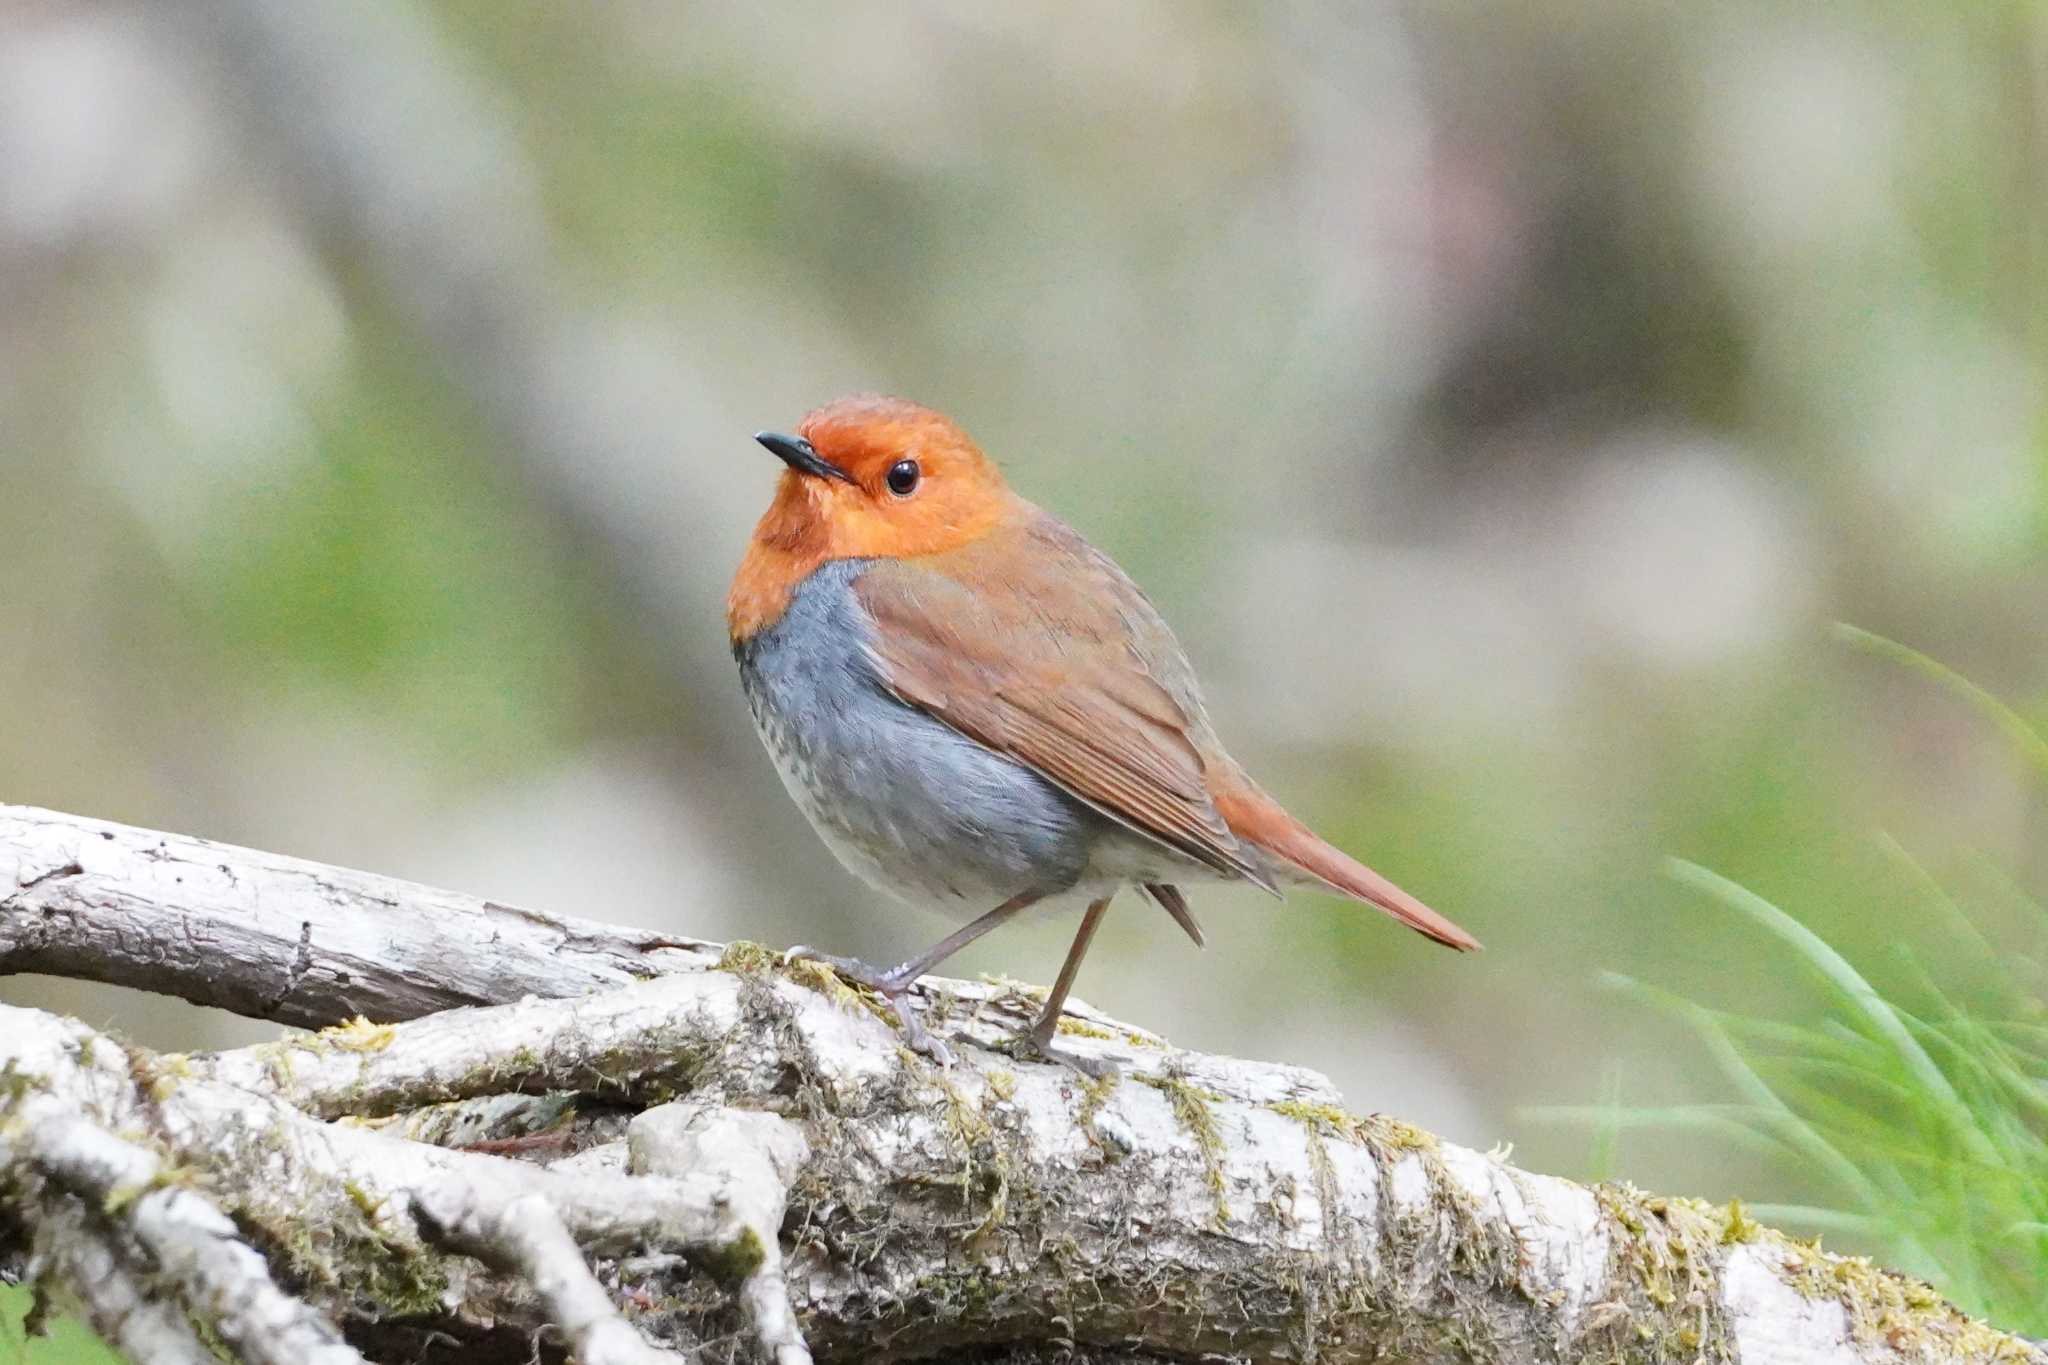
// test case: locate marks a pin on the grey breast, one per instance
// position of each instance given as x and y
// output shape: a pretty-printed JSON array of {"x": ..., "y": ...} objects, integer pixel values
[{"x": 906, "y": 802}]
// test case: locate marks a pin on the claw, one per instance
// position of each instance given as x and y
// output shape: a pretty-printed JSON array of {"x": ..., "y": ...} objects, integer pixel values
[{"x": 916, "y": 1036}]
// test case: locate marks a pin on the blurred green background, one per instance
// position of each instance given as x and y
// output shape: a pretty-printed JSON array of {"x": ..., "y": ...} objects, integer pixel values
[{"x": 1501, "y": 400}]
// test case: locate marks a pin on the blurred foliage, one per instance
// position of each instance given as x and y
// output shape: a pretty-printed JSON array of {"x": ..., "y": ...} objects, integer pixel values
[
  {"x": 1917, "y": 1111},
  {"x": 393, "y": 569},
  {"x": 67, "y": 1342}
]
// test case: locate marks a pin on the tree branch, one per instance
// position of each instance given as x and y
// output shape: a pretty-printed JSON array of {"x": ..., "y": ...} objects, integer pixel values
[
  {"x": 820, "y": 1183},
  {"x": 525, "y": 1237},
  {"x": 278, "y": 938},
  {"x": 112, "y": 1296},
  {"x": 218, "y": 1277}
]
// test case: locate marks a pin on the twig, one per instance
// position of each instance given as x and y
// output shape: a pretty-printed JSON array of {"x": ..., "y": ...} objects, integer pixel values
[
  {"x": 741, "y": 1162},
  {"x": 708, "y": 1185},
  {"x": 218, "y": 1276},
  {"x": 523, "y": 1236},
  {"x": 71, "y": 1252}
]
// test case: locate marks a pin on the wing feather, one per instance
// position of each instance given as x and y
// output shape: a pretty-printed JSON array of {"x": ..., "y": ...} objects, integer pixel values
[{"x": 1053, "y": 668}]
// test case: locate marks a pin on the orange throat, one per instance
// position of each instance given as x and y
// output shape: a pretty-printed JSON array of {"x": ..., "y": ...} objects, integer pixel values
[
  {"x": 812, "y": 522},
  {"x": 790, "y": 542}
]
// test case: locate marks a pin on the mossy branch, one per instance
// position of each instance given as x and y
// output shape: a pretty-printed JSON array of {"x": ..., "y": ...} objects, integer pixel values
[{"x": 749, "y": 1164}]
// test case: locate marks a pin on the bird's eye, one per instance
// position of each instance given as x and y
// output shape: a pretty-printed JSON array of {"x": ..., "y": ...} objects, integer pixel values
[{"x": 903, "y": 477}]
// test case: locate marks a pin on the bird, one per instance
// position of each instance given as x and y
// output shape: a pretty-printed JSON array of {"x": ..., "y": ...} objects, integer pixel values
[{"x": 979, "y": 712}]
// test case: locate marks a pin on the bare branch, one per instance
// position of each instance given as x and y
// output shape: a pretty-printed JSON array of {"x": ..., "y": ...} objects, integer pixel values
[
  {"x": 742, "y": 1162},
  {"x": 524, "y": 1236},
  {"x": 72, "y": 1253},
  {"x": 362, "y": 1189},
  {"x": 733, "y": 1165},
  {"x": 1196, "y": 1206},
  {"x": 279, "y": 938},
  {"x": 218, "y": 1276}
]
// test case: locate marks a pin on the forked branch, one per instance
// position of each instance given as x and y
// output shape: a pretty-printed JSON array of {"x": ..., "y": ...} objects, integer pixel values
[{"x": 664, "y": 1147}]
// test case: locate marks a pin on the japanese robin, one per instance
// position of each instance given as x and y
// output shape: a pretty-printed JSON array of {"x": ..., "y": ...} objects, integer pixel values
[{"x": 980, "y": 712}]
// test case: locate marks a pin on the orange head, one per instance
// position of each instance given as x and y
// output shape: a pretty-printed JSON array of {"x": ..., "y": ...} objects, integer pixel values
[{"x": 868, "y": 476}]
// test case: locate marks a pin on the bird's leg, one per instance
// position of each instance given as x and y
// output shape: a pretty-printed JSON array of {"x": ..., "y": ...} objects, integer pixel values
[
  {"x": 903, "y": 975},
  {"x": 893, "y": 984},
  {"x": 1048, "y": 1026}
]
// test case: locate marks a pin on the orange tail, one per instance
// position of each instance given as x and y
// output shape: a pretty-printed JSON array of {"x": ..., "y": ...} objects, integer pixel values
[{"x": 1258, "y": 819}]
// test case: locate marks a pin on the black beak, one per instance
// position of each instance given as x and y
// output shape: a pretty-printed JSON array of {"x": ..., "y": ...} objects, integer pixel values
[{"x": 797, "y": 453}]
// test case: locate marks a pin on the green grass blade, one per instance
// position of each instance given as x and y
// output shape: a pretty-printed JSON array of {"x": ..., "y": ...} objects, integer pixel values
[
  {"x": 1935, "y": 894},
  {"x": 2024, "y": 737},
  {"x": 1798, "y": 1132},
  {"x": 1832, "y": 966}
]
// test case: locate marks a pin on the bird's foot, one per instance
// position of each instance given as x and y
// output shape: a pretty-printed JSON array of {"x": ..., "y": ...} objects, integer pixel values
[
  {"x": 915, "y": 1036},
  {"x": 893, "y": 985},
  {"x": 1038, "y": 1042},
  {"x": 891, "y": 981}
]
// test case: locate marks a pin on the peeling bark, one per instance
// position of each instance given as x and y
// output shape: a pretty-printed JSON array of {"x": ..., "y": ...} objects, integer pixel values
[{"x": 739, "y": 1158}]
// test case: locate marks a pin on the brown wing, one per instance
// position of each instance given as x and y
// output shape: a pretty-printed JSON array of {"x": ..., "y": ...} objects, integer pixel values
[{"x": 1040, "y": 648}]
